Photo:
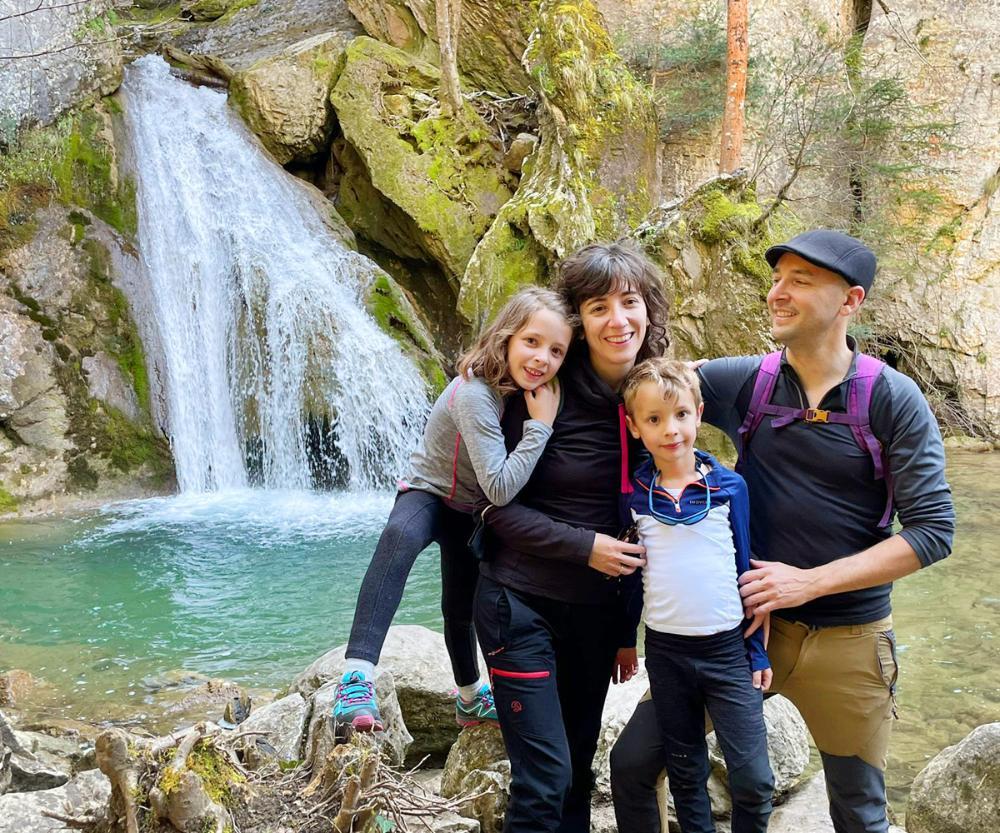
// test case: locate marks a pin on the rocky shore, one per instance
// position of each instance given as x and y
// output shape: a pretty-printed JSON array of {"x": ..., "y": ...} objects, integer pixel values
[{"x": 279, "y": 770}]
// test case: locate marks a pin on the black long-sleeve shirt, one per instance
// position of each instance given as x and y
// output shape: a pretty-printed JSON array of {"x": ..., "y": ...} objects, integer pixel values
[
  {"x": 813, "y": 496},
  {"x": 540, "y": 543}
]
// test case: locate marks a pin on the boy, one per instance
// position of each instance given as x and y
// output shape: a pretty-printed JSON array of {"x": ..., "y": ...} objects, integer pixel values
[{"x": 692, "y": 516}]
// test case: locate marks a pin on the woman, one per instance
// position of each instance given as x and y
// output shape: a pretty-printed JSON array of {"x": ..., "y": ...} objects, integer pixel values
[{"x": 548, "y": 614}]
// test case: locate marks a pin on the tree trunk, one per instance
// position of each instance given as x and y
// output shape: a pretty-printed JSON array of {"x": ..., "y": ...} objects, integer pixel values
[
  {"x": 449, "y": 18},
  {"x": 736, "y": 86}
]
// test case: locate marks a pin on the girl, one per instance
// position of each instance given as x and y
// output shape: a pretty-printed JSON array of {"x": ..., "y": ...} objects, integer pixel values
[
  {"x": 462, "y": 452},
  {"x": 548, "y": 617}
]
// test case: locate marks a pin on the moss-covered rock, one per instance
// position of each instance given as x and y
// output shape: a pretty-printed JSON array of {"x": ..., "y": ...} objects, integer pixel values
[
  {"x": 205, "y": 9},
  {"x": 74, "y": 406},
  {"x": 440, "y": 181},
  {"x": 594, "y": 173},
  {"x": 285, "y": 99},
  {"x": 711, "y": 246},
  {"x": 492, "y": 37}
]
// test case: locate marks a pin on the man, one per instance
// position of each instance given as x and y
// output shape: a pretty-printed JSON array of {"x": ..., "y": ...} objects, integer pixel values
[{"x": 821, "y": 495}]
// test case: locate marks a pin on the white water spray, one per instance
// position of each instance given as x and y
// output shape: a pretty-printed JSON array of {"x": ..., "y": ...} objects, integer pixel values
[{"x": 269, "y": 354}]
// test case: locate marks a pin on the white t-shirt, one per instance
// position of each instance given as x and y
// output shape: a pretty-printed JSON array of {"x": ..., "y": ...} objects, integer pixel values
[{"x": 689, "y": 581}]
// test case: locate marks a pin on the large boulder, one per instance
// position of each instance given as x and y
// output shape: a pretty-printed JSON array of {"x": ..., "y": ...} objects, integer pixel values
[
  {"x": 424, "y": 684},
  {"x": 70, "y": 55},
  {"x": 285, "y": 99},
  {"x": 251, "y": 32},
  {"x": 477, "y": 747},
  {"x": 594, "y": 174},
  {"x": 492, "y": 37},
  {"x": 419, "y": 184},
  {"x": 959, "y": 790},
  {"x": 86, "y": 796}
]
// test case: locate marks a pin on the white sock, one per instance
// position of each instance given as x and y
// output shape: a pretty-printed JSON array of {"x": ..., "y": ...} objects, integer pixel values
[
  {"x": 366, "y": 668},
  {"x": 468, "y": 692}
]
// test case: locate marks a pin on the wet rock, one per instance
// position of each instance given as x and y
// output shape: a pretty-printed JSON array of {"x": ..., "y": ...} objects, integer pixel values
[
  {"x": 959, "y": 790},
  {"x": 14, "y": 685},
  {"x": 275, "y": 732},
  {"x": 424, "y": 684},
  {"x": 285, "y": 99},
  {"x": 87, "y": 795},
  {"x": 320, "y": 739},
  {"x": 106, "y": 382}
]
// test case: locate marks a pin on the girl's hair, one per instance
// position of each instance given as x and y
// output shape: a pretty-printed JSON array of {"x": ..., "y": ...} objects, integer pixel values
[
  {"x": 669, "y": 375},
  {"x": 487, "y": 358},
  {"x": 602, "y": 268}
]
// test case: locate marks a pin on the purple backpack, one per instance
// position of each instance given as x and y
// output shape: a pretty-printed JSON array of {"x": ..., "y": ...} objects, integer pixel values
[{"x": 859, "y": 397}]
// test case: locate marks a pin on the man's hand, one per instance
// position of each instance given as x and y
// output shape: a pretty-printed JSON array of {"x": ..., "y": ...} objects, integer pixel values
[
  {"x": 615, "y": 558},
  {"x": 762, "y": 679},
  {"x": 771, "y": 585},
  {"x": 626, "y": 665}
]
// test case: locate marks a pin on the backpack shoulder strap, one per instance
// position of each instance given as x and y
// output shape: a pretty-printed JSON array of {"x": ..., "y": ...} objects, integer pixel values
[
  {"x": 859, "y": 398},
  {"x": 763, "y": 388}
]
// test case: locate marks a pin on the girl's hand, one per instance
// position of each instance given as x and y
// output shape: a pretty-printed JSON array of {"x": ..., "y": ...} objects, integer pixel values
[
  {"x": 615, "y": 558},
  {"x": 626, "y": 665},
  {"x": 543, "y": 402},
  {"x": 762, "y": 679}
]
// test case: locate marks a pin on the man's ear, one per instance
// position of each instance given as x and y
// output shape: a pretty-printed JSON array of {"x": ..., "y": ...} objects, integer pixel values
[
  {"x": 631, "y": 427},
  {"x": 855, "y": 297}
]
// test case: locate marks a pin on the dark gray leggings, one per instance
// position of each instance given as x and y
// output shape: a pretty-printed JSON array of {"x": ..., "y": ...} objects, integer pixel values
[{"x": 418, "y": 519}]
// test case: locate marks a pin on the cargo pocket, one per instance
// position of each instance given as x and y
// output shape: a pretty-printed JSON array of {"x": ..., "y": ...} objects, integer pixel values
[
  {"x": 887, "y": 664},
  {"x": 492, "y": 615}
]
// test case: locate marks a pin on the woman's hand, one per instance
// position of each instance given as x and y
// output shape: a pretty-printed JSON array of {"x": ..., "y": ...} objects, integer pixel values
[
  {"x": 615, "y": 558},
  {"x": 626, "y": 665},
  {"x": 543, "y": 402}
]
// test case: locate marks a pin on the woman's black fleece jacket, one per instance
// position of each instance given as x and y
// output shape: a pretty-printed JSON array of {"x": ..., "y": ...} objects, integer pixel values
[{"x": 540, "y": 543}]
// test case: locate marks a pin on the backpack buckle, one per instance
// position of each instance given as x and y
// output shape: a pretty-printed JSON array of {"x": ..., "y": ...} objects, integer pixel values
[{"x": 816, "y": 415}]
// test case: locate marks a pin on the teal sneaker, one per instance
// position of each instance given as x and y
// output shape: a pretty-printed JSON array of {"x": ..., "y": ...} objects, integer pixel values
[
  {"x": 354, "y": 707},
  {"x": 480, "y": 710}
]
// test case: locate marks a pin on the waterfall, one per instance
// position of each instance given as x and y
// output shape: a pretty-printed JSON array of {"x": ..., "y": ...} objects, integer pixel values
[{"x": 275, "y": 373}]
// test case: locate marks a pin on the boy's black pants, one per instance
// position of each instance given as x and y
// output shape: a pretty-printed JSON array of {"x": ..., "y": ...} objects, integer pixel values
[
  {"x": 550, "y": 664},
  {"x": 687, "y": 675}
]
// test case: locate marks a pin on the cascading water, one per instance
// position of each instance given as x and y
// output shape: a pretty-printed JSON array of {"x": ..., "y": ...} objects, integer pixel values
[{"x": 275, "y": 373}]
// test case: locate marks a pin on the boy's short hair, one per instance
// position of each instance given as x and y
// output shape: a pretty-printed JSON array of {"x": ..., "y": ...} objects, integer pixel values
[{"x": 670, "y": 375}]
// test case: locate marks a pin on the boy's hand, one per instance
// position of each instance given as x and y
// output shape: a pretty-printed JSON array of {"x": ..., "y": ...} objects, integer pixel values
[
  {"x": 762, "y": 679},
  {"x": 615, "y": 558},
  {"x": 543, "y": 402},
  {"x": 626, "y": 665},
  {"x": 760, "y": 620}
]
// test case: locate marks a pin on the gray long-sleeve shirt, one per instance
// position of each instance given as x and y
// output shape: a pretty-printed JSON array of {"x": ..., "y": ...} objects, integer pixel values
[
  {"x": 463, "y": 450},
  {"x": 813, "y": 496}
]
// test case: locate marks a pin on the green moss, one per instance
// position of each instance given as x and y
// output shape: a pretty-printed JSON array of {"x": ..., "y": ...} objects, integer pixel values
[
  {"x": 724, "y": 220},
  {"x": 8, "y": 503},
  {"x": 170, "y": 780},
  {"x": 217, "y": 775},
  {"x": 236, "y": 8},
  {"x": 84, "y": 175},
  {"x": 81, "y": 475}
]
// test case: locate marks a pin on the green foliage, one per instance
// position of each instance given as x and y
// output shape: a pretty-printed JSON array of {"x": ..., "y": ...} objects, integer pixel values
[
  {"x": 8, "y": 503},
  {"x": 836, "y": 112},
  {"x": 685, "y": 66}
]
